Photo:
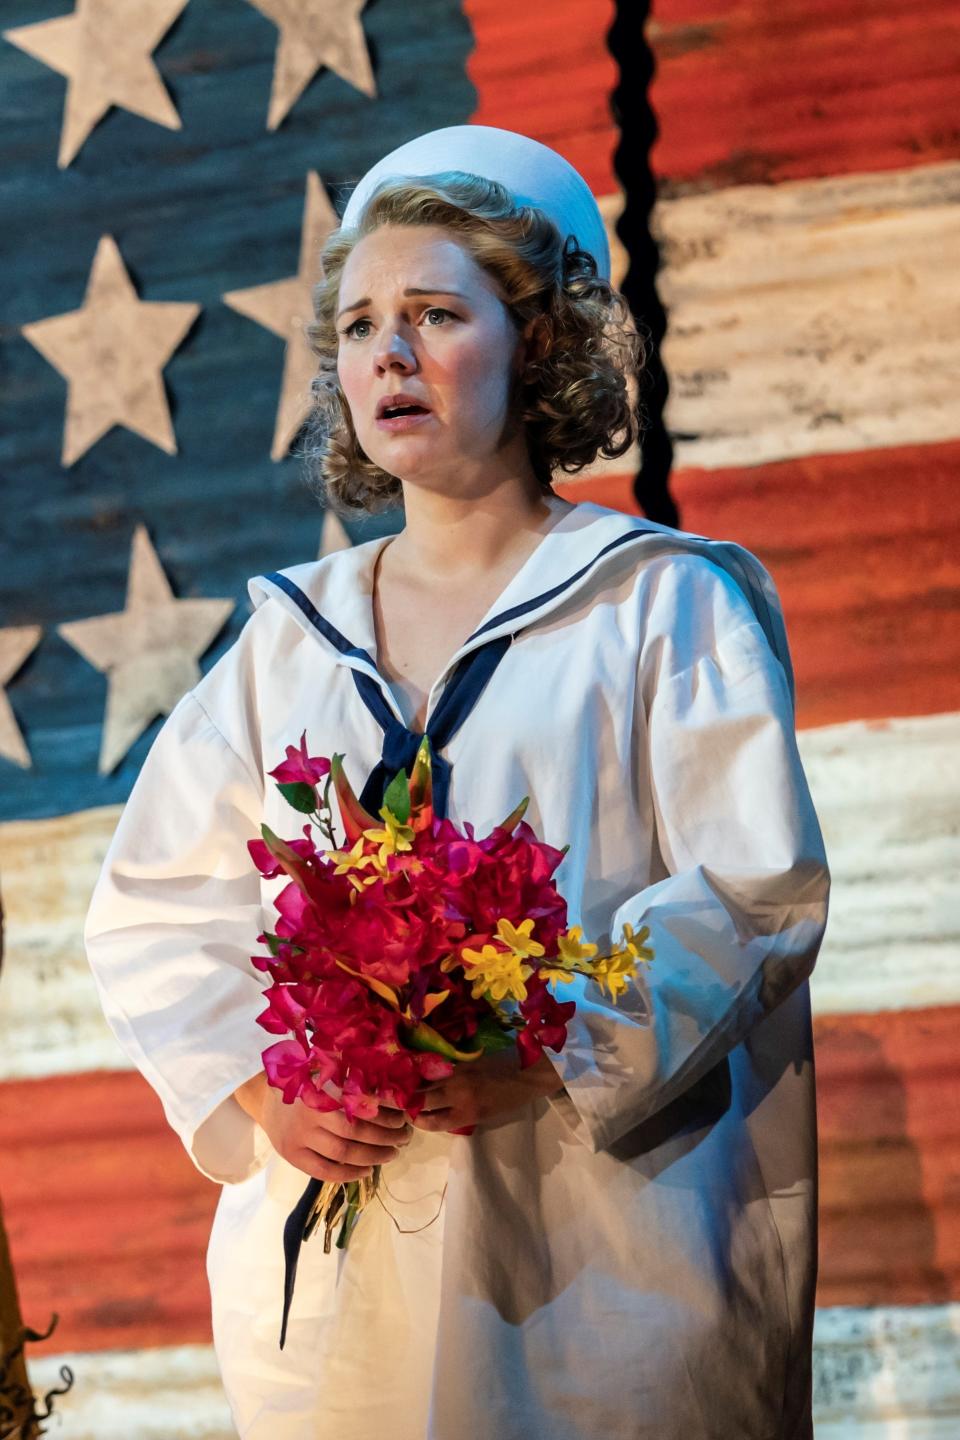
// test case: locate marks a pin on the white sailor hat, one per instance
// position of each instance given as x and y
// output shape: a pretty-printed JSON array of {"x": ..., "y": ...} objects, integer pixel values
[{"x": 532, "y": 172}]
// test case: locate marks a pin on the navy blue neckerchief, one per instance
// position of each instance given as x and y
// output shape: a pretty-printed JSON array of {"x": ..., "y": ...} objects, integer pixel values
[{"x": 400, "y": 747}]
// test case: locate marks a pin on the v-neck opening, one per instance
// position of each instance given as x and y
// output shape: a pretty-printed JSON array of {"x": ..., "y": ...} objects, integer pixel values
[{"x": 485, "y": 620}]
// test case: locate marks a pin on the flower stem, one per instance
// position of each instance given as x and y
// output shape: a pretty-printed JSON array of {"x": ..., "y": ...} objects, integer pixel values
[{"x": 351, "y": 1209}]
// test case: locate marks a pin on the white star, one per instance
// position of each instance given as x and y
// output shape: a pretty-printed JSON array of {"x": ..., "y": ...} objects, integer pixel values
[
  {"x": 315, "y": 33},
  {"x": 104, "y": 50},
  {"x": 148, "y": 651},
  {"x": 112, "y": 352},
  {"x": 285, "y": 307},
  {"x": 333, "y": 536},
  {"x": 16, "y": 643}
]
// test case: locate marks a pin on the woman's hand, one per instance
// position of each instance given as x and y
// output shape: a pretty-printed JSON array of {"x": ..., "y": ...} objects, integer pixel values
[
  {"x": 323, "y": 1143},
  {"x": 485, "y": 1089}
]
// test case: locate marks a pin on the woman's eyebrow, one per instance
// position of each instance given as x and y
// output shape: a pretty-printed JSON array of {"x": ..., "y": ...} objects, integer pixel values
[{"x": 433, "y": 290}]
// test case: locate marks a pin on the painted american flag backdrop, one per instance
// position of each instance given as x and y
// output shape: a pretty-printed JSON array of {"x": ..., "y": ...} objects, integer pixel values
[{"x": 782, "y": 182}]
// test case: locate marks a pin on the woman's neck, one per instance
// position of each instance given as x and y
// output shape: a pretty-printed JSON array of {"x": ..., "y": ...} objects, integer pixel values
[{"x": 460, "y": 539}]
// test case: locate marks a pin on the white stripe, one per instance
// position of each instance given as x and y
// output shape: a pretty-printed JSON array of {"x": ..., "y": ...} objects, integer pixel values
[
  {"x": 49, "y": 1010},
  {"x": 147, "y": 1394},
  {"x": 50, "y": 1014},
  {"x": 887, "y": 793},
  {"x": 892, "y": 1373},
  {"x": 812, "y": 316}
]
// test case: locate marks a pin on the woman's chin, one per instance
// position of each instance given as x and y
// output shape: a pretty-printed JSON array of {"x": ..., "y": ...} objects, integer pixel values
[
  {"x": 407, "y": 459},
  {"x": 386, "y": 450}
]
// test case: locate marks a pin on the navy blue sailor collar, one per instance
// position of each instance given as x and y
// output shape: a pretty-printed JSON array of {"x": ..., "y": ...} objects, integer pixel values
[{"x": 332, "y": 598}]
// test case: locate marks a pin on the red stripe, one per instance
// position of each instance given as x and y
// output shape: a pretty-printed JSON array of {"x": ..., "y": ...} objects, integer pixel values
[
  {"x": 755, "y": 92},
  {"x": 865, "y": 551},
  {"x": 108, "y": 1220},
  {"x": 545, "y": 70},
  {"x": 889, "y": 1157}
]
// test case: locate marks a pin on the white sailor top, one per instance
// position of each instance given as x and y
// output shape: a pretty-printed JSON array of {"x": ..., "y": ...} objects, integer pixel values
[{"x": 636, "y": 1254}]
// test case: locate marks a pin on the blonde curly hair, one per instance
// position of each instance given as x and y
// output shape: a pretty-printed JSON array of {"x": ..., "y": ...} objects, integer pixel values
[{"x": 574, "y": 400}]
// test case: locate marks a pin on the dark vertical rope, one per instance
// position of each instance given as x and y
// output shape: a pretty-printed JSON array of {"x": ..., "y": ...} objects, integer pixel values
[{"x": 638, "y": 129}]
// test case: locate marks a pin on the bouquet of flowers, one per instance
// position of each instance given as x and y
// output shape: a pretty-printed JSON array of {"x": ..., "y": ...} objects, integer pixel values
[{"x": 412, "y": 949}]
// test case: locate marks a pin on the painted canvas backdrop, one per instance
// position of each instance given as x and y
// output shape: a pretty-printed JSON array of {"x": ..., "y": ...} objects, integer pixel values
[{"x": 805, "y": 173}]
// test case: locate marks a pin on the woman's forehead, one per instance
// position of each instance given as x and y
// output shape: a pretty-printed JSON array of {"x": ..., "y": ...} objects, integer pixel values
[{"x": 425, "y": 257}]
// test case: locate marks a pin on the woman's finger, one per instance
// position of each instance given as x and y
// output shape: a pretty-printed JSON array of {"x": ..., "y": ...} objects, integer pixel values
[
  {"x": 435, "y": 1119},
  {"x": 348, "y": 1151},
  {"x": 440, "y": 1100},
  {"x": 371, "y": 1132},
  {"x": 333, "y": 1136},
  {"x": 320, "y": 1168},
  {"x": 395, "y": 1119}
]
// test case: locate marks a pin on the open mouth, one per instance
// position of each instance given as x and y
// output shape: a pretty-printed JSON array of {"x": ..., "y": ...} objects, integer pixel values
[{"x": 395, "y": 410}]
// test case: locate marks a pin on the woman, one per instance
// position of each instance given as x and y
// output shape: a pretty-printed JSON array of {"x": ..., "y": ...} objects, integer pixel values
[{"x": 626, "y": 1243}]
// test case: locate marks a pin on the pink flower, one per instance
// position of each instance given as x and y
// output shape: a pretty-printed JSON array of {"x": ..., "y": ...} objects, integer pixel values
[
  {"x": 297, "y": 1070},
  {"x": 293, "y": 907},
  {"x": 357, "y": 1105},
  {"x": 381, "y": 1068},
  {"x": 299, "y": 768},
  {"x": 288, "y": 1006},
  {"x": 268, "y": 865}
]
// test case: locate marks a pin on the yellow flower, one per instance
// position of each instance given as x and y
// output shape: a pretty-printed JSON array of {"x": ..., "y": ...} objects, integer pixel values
[
  {"x": 394, "y": 838},
  {"x": 634, "y": 942},
  {"x": 612, "y": 972},
  {"x": 499, "y": 971},
  {"x": 350, "y": 859},
  {"x": 572, "y": 951},
  {"x": 574, "y": 956},
  {"x": 556, "y": 973},
  {"x": 518, "y": 937},
  {"x": 360, "y": 883}
]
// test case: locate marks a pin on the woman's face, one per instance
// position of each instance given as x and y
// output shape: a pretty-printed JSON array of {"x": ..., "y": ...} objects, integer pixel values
[{"x": 418, "y": 315}]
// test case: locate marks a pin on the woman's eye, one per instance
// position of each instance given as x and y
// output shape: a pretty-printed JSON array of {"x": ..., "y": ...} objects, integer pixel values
[{"x": 351, "y": 329}]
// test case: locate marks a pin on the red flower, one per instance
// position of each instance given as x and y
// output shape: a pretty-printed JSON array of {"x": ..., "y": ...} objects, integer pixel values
[
  {"x": 355, "y": 960},
  {"x": 546, "y": 1019}
]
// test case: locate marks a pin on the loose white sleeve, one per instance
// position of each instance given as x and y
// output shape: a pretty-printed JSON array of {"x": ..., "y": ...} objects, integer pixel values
[
  {"x": 171, "y": 927},
  {"x": 737, "y": 923}
]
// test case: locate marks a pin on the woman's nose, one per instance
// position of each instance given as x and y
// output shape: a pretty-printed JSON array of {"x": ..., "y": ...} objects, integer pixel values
[{"x": 394, "y": 351}]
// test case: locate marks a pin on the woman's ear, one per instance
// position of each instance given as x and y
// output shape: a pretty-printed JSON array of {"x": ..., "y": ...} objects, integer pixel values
[{"x": 537, "y": 336}]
